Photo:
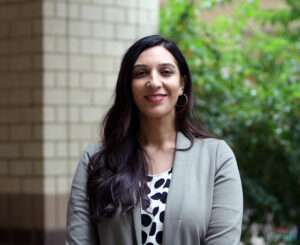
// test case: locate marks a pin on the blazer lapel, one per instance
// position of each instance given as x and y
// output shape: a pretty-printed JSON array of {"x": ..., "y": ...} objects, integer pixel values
[
  {"x": 137, "y": 223},
  {"x": 174, "y": 204}
]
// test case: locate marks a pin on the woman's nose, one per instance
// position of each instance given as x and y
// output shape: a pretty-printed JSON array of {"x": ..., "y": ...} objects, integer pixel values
[{"x": 155, "y": 81}]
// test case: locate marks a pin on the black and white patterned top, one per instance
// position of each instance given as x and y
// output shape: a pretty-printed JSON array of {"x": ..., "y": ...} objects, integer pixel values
[{"x": 153, "y": 219}]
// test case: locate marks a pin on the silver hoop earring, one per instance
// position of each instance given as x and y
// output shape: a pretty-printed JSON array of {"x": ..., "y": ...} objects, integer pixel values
[{"x": 186, "y": 99}]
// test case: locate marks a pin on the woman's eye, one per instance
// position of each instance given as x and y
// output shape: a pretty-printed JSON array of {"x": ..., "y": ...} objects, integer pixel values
[
  {"x": 139, "y": 73},
  {"x": 166, "y": 72}
]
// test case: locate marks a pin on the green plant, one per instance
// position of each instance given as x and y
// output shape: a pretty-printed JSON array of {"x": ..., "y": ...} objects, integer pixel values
[{"x": 246, "y": 75}]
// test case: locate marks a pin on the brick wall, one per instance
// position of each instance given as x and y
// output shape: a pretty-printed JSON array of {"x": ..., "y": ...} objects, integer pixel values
[{"x": 58, "y": 65}]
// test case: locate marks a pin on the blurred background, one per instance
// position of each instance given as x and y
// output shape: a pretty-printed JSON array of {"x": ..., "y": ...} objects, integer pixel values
[{"x": 58, "y": 65}]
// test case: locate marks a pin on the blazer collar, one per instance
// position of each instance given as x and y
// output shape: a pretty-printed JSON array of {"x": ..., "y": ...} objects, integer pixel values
[{"x": 173, "y": 212}]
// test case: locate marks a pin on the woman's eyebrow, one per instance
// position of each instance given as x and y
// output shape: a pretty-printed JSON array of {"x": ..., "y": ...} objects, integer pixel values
[
  {"x": 139, "y": 65},
  {"x": 167, "y": 64}
]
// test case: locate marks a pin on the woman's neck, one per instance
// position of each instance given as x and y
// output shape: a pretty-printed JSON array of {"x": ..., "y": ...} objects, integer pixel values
[{"x": 157, "y": 133}]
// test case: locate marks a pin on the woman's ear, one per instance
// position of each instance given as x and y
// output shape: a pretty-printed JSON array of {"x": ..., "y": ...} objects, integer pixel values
[{"x": 182, "y": 84}]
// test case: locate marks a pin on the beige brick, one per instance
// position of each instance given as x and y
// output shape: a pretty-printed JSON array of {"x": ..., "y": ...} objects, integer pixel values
[
  {"x": 20, "y": 132},
  {"x": 110, "y": 81},
  {"x": 147, "y": 30},
  {"x": 32, "y": 185},
  {"x": 48, "y": 8},
  {"x": 126, "y": 32},
  {"x": 20, "y": 168},
  {"x": 80, "y": 132},
  {"x": 114, "y": 14},
  {"x": 80, "y": 97},
  {"x": 149, "y": 5},
  {"x": 74, "y": 114},
  {"x": 103, "y": 30},
  {"x": 49, "y": 149},
  {"x": 91, "y": 114},
  {"x": 55, "y": 61},
  {"x": 61, "y": 79},
  {"x": 74, "y": 79},
  {"x": 48, "y": 79},
  {"x": 75, "y": 150},
  {"x": 34, "y": 150},
  {"x": 21, "y": 28},
  {"x": 91, "y": 12},
  {"x": 54, "y": 26},
  {"x": 55, "y": 167},
  {"x": 3, "y": 98},
  {"x": 80, "y": 63},
  {"x": 9, "y": 12},
  {"x": 61, "y": 44},
  {"x": 21, "y": 97},
  {"x": 91, "y": 80},
  {"x": 3, "y": 167},
  {"x": 79, "y": 28},
  {"x": 62, "y": 185},
  {"x": 61, "y": 149},
  {"x": 61, "y": 114},
  {"x": 49, "y": 186},
  {"x": 103, "y": 97},
  {"x": 91, "y": 47},
  {"x": 31, "y": 114},
  {"x": 73, "y": 10},
  {"x": 48, "y": 114},
  {"x": 10, "y": 185},
  {"x": 132, "y": 16},
  {"x": 61, "y": 10},
  {"x": 3, "y": 132},
  {"x": 114, "y": 48},
  {"x": 55, "y": 96},
  {"x": 20, "y": 62},
  {"x": 127, "y": 3},
  {"x": 55, "y": 132},
  {"x": 73, "y": 45},
  {"x": 103, "y": 64},
  {"x": 48, "y": 44},
  {"x": 11, "y": 115}
]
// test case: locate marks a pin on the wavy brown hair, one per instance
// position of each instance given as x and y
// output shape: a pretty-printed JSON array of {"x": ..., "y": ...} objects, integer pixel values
[{"x": 117, "y": 173}]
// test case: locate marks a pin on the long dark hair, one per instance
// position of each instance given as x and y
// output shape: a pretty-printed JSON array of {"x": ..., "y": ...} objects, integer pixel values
[{"x": 117, "y": 173}]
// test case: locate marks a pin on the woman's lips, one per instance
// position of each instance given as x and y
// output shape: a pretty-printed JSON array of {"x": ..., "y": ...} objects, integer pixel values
[{"x": 155, "y": 97}]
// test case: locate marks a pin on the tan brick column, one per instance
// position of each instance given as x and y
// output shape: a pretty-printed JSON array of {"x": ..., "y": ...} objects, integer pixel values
[{"x": 58, "y": 66}]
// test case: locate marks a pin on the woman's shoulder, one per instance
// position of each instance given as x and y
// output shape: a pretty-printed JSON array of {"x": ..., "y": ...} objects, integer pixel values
[
  {"x": 93, "y": 148},
  {"x": 213, "y": 145}
]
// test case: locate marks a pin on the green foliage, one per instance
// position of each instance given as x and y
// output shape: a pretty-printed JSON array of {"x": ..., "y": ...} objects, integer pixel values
[{"x": 246, "y": 75}]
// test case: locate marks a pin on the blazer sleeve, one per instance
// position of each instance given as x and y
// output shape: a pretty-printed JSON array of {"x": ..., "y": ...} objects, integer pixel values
[
  {"x": 80, "y": 230},
  {"x": 227, "y": 207}
]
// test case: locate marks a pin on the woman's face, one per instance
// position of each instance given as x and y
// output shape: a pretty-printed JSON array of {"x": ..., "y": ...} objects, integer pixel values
[{"x": 156, "y": 83}]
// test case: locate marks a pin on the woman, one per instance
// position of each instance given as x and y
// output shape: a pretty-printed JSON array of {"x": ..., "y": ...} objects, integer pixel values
[{"x": 155, "y": 178}]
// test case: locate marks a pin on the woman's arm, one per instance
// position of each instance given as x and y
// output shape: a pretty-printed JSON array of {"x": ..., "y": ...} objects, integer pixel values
[
  {"x": 227, "y": 208},
  {"x": 80, "y": 230}
]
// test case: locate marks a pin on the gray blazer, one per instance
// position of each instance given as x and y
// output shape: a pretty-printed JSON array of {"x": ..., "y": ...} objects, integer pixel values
[{"x": 204, "y": 203}]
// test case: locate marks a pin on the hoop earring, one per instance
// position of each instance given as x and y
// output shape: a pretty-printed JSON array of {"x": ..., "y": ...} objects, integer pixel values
[{"x": 186, "y": 99}]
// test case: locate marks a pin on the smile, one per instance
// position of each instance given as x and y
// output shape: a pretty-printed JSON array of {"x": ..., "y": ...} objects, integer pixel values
[{"x": 155, "y": 98}]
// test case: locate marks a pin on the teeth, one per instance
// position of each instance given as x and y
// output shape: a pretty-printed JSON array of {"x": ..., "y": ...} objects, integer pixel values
[{"x": 155, "y": 97}]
